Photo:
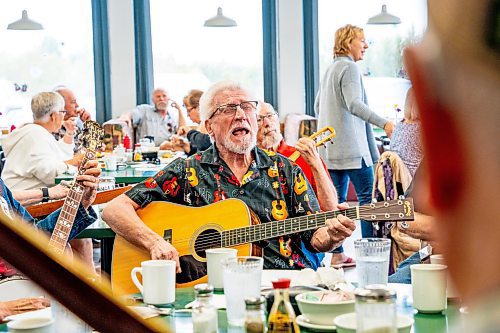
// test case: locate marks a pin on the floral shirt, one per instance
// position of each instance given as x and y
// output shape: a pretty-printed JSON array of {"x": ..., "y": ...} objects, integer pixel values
[
  {"x": 274, "y": 188},
  {"x": 76, "y": 138},
  {"x": 406, "y": 142}
]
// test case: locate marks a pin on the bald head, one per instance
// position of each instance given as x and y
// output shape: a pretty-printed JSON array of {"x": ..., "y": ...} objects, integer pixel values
[{"x": 70, "y": 102}]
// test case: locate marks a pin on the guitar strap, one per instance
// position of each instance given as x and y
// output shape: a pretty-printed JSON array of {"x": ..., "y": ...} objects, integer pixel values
[{"x": 187, "y": 192}]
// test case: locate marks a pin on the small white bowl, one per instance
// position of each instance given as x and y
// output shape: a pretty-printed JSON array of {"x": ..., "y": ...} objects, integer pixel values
[
  {"x": 346, "y": 323},
  {"x": 320, "y": 311}
]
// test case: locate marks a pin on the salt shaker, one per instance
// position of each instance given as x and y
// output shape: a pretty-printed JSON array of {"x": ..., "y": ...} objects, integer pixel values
[
  {"x": 204, "y": 312},
  {"x": 376, "y": 309},
  {"x": 255, "y": 317}
]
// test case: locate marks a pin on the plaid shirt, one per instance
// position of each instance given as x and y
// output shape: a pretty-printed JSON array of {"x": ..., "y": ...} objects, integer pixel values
[{"x": 205, "y": 178}]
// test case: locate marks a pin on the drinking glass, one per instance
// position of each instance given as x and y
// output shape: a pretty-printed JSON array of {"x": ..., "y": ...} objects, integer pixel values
[
  {"x": 372, "y": 256},
  {"x": 242, "y": 279}
]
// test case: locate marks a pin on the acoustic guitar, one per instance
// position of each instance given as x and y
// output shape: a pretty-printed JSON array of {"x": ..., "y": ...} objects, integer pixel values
[
  {"x": 90, "y": 137},
  {"x": 45, "y": 209},
  {"x": 227, "y": 223}
]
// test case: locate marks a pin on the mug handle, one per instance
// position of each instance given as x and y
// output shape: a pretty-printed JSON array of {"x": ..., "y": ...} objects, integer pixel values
[{"x": 134, "y": 272}]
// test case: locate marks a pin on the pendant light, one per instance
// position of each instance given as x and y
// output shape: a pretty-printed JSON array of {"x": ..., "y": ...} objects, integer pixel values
[
  {"x": 384, "y": 18},
  {"x": 25, "y": 23},
  {"x": 220, "y": 20}
]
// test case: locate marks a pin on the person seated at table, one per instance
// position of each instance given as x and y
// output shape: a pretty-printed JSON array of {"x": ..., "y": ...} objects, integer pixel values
[
  {"x": 192, "y": 104},
  {"x": 422, "y": 228},
  {"x": 34, "y": 157},
  {"x": 233, "y": 167},
  {"x": 156, "y": 120},
  {"x": 197, "y": 139},
  {"x": 85, "y": 216},
  {"x": 405, "y": 140},
  {"x": 73, "y": 117},
  {"x": 269, "y": 137}
]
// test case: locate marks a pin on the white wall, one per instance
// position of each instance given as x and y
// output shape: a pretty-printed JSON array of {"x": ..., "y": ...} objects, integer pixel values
[
  {"x": 291, "y": 82},
  {"x": 122, "y": 54}
]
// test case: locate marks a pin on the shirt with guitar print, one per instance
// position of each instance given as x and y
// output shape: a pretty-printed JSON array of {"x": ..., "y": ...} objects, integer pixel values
[{"x": 273, "y": 187}]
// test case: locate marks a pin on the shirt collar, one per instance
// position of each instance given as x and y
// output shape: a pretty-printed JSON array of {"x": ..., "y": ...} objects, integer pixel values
[{"x": 262, "y": 159}]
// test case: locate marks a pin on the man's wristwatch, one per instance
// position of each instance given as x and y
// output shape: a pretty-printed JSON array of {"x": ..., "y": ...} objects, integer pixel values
[{"x": 45, "y": 194}]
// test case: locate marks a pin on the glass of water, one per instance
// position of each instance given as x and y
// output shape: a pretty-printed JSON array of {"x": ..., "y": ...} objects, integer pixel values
[
  {"x": 372, "y": 256},
  {"x": 242, "y": 279}
]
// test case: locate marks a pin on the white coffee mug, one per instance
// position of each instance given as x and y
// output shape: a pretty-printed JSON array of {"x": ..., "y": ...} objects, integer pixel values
[
  {"x": 110, "y": 162},
  {"x": 214, "y": 266},
  {"x": 158, "y": 281},
  {"x": 429, "y": 287},
  {"x": 31, "y": 325},
  {"x": 451, "y": 291}
]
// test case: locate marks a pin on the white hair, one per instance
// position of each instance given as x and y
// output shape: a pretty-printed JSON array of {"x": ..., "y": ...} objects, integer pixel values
[
  {"x": 45, "y": 103},
  {"x": 207, "y": 105}
]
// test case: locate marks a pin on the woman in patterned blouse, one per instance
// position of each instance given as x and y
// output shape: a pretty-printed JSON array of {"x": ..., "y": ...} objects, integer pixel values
[{"x": 405, "y": 140}]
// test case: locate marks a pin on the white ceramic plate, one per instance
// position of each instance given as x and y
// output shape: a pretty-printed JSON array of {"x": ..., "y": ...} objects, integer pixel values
[{"x": 302, "y": 321}]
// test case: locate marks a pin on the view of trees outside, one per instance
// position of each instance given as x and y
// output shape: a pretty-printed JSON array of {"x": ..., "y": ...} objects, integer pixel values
[
  {"x": 38, "y": 60},
  {"x": 385, "y": 80},
  {"x": 187, "y": 55}
]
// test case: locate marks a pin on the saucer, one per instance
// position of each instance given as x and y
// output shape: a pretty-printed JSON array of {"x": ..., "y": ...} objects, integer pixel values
[{"x": 304, "y": 322}]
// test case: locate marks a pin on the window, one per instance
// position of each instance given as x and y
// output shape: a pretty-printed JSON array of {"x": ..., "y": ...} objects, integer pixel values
[
  {"x": 384, "y": 78},
  {"x": 187, "y": 55},
  {"x": 34, "y": 61}
]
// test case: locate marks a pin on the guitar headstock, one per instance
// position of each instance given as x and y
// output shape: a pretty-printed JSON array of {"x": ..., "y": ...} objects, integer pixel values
[
  {"x": 393, "y": 210},
  {"x": 92, "y": 135},
  {"x": 323, "y": 135}
]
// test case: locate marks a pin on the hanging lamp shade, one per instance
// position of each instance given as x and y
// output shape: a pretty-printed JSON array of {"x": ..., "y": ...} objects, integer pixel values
[
  {"x": 25, "y": 23},
  {"x": 220, "y": 20},
  {"x": 384, "y": 18}
]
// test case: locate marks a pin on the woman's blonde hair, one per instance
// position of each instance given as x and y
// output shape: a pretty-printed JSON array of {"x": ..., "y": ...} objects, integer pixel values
[
  {"x": 343, "y": 38},
  {"x": 411, "y": 110},
  {"x": 193, "y": 97}
]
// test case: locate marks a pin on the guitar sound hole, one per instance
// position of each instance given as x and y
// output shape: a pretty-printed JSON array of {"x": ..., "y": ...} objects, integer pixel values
[{"x": 208, "y": 239}]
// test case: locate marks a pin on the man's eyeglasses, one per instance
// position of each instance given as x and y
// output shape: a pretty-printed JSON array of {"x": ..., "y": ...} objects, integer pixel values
[
  {"x": 230, "y": 109},
  {"x": 269, "y": 116}
]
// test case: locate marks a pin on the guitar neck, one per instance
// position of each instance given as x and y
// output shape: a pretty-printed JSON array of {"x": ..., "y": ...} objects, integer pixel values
[
  {"x": 62, "y": 229},
  {"x": 274, "y": 229},
  {"x": 385, "y": 211}
]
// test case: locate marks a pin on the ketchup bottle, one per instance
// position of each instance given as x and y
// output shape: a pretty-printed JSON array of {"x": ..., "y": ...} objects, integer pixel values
[{"x": 127, "y": 144}]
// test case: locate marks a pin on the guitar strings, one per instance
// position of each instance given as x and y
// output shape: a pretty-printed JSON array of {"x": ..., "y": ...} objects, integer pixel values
[
  {"x": 280, "y": 224},
  {"x": 206, "y": 240}
]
